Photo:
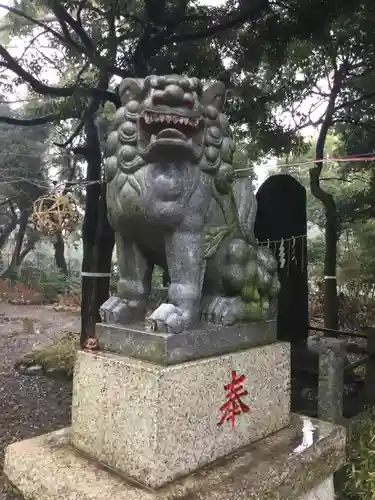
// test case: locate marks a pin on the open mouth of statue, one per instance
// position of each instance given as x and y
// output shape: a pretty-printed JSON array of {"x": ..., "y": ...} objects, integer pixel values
[{"x": 157, "y": 129}]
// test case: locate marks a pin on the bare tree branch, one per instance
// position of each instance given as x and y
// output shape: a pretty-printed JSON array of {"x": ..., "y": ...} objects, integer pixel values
[
  {"x": 63, "y": 15},
  {"x": 19, "y": 59},
  {"x": 354, "y": 178},
  {"x": 41, "y": 88},
  {"x": 67, "y": 35},
  {"x": 40, "y": 120},
  {"x": 78, "y": 129}
]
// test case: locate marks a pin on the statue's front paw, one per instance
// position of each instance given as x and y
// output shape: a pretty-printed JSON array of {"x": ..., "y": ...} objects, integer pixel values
[
  {"x": 224, "y": 310},
  {"x": 168, "y": 318},
  {"x": 121, "y": 311},
  {"x": 229, "y": 311}
]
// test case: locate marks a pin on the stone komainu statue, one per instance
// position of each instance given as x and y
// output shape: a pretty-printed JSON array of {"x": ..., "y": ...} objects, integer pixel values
[{"x": 174, "y": 201}]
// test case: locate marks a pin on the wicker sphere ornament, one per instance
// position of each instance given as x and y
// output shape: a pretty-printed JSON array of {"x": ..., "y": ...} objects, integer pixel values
[{"x": 55, "y": 214}]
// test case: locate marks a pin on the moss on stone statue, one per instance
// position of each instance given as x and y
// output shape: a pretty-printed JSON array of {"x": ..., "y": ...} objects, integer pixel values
[{"x": 254, "y": 310}]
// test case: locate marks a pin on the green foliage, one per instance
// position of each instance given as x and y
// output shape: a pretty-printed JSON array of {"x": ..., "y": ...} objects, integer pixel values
[
  {"x": 49, "y": 282},
  {"x": 58, "y": 357},
  {"x": 357, "y": 259},
  {"x": 360, "y": 477},
  {"x": 315, "y": 258},
  {"x": 261, "y": 56},
  {"x": 23, "y": 169},
  {"x": 54, "y": 283},
  {"x": 356, "y": 246},
  {"x": 298, "y": 166},
  {"x": 343, "y": 184}
]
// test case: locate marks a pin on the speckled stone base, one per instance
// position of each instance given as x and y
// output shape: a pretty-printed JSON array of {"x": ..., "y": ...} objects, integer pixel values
[
  {"x": 48, "y": 468},
  {"x": 155, "y": 423}
]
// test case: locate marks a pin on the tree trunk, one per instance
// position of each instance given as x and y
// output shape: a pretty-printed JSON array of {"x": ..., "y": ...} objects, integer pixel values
[
  {"x": 6, "y": 231},
  {"x": 97, "y": 237},
  {"x": 330, "y": 234},
  {"x": 331, "y": 226},
  {"x": 90, "y": 222},
  {"x": 16, "y": 260},
  {"x": 60, "y": 261},
  {"x": 29, "y": 246},
  {"x": 104, "y": 244}
]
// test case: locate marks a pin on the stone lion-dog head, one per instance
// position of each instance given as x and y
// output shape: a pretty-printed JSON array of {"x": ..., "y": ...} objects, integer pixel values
[{"x": 175, "y": 126}]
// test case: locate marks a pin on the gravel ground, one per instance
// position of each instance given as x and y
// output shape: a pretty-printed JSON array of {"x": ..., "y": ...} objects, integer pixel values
[{"x": 30, "y": 405}]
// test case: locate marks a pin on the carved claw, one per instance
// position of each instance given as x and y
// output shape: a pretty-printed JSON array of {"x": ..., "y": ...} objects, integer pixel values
[
  {"x": 116, "y": 310},
  {"x": 168, "y": 318},
  {"x": 224, "y": 310},
  {"x": 228, "y": 311}
]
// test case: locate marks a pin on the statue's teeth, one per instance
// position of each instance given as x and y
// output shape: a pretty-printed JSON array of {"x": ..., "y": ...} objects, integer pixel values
[{"x": 160, "y": 118}]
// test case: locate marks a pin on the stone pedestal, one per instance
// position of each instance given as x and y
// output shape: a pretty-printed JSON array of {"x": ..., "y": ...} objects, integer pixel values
[
  {"x": 169, "y": 349},
  {"x": 49, "y": 468},
  {"x": 154, "y": 423},
  {"x": 145, "y": 430}
]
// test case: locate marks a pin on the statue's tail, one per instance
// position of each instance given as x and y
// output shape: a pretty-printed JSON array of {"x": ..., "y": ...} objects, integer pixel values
[{"x": 246, "y": 207}]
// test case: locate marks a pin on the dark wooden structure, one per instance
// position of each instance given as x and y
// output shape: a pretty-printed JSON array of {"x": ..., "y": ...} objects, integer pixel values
[{"x": 281, "y": 216}]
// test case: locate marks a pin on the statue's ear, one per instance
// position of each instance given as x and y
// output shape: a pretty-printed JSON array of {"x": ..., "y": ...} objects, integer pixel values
[
  {"x": 214, "y": 94},
  {"x": 131, "y": 88}
]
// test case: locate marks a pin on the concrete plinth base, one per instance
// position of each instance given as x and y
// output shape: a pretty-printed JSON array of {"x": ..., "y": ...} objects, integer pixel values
[
  {"x": 155, "y": 423},
  {"x": 49, "y": 468},
  {"x": 170, "y": 349}
]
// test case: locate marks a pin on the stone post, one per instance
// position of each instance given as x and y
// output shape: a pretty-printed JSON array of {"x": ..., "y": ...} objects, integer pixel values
[{"x": 331, "y": 380}]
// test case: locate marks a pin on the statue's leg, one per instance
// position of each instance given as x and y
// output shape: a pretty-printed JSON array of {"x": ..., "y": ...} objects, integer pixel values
[
  {"x": 248, "y": 281},
  {"x": 134, "y": 285},
  {"x": 186, "y": 265}
]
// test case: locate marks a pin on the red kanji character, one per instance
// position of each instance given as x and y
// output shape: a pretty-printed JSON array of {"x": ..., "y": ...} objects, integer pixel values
[{"x": 234, "y": 406}]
